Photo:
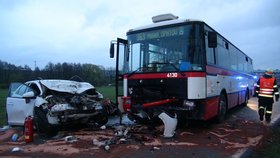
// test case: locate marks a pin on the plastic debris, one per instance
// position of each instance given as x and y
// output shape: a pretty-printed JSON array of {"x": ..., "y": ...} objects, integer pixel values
[
  {"x": 104, "y": 144},
  {"x": 4, "y": 128},
  {"x": 155, "y": 148},
  {"x": 126, "y": 131},
  {"x": 98, "y": 143},
  {"x": 70, "y": 139},
  {"x": 103, "y": 127},
  {"x": 170, "y": 124},
  {"x": 107, "y": 147},
  {"x": 16, "y": 149},
  {"x": 119, "y": 133},
  {"x": 122, "y": 140},
  {"x": 14, "y": 137}
]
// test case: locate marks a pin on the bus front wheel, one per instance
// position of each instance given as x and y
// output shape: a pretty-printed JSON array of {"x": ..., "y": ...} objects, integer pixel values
[
  {"x": 246, "y": 100},
  {"x": 222, "y": 109}
]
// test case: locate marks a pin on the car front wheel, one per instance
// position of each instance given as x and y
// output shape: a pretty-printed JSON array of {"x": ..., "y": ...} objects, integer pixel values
[
  {"x": 41, "y": 123},
  {"x": 102, "y": 118}
]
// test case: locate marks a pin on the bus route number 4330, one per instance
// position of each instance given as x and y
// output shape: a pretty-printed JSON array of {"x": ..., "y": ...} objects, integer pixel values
[{"x": 172, "y": 75}]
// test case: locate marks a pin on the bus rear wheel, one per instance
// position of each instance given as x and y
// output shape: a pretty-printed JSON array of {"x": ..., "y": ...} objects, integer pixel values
[
  {"x": 222, "y": 109},
  {"x": 246, "y": 99}
]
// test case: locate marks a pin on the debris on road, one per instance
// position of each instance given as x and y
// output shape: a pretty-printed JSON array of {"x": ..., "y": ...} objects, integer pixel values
[
  {"x": 5, "y": 128},
  {"x": 120, "y": 140},
  {"x": 98, "y": 143},
  {"x": 14, "y": 137},
  {"x": 170, "y": 124},
  {"x": 70, "y": 139},
  {"x": 17, "y": 149},
  {"x": 155, "y": 148},
  {"x": 103, "y": 127},
  {"x": 107, "y": 147}
]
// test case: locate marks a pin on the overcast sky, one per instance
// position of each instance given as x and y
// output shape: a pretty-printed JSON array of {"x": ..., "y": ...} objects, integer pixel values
[{"x": 80, "y": 31}]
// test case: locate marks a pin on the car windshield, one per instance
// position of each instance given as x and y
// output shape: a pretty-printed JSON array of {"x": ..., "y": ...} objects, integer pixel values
[{"x": 169, "y": 49}]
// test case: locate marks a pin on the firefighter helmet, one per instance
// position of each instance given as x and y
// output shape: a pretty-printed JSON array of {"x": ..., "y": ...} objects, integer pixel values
[{"x": 269, "y": 72}]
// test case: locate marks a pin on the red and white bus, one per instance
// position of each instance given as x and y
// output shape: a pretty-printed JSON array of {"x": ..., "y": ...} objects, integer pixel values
[{"x": 180, "y": 66}]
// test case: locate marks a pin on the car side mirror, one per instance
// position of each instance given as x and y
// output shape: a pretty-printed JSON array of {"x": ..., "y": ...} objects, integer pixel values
[
  {"x": 28, "y": 95},
  {"x": 112, "y": 50}
]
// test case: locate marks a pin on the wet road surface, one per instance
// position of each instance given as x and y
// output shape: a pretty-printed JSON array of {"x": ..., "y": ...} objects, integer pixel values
[{"x": 242, "y": 130}]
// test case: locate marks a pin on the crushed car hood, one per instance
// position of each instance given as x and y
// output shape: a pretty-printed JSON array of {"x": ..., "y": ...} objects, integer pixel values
[{"x": 67, "y": 86}]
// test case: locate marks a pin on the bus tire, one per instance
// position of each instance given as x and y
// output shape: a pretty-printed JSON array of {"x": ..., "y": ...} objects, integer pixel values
[
  {"x": 222, "y": 109},
  {"x": 246, "y": 99}
]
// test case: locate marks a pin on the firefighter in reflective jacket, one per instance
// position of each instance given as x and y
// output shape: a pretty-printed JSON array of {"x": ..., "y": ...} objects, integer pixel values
[{"x": 266, "y": 89}]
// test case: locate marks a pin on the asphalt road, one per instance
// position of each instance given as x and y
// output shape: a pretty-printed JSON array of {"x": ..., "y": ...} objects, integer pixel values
[{"x": 241, "y": 131}]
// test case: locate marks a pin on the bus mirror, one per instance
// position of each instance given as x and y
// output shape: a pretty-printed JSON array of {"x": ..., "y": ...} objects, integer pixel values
[
  {"x": 112, "y": 50},
  {"x": 212, "y": 40}
]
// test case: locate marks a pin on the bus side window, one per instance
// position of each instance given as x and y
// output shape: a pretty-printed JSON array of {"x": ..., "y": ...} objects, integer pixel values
[{"x": 212, "y": 40}]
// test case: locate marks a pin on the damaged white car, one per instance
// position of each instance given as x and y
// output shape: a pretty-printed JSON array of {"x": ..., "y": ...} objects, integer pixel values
[{"x": 55, "y": 104}]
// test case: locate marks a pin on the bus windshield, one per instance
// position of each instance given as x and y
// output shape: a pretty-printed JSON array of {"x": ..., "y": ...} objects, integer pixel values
[{"x": 170, "y": 49}]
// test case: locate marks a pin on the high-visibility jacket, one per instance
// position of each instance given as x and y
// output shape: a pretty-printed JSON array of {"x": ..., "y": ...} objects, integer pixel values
[{"x": 267, "y": 87}]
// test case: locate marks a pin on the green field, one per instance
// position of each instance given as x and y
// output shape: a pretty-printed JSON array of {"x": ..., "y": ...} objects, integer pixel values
[
  {"x": 3, "y": 94},
  {"x": 108, "y": 92}
]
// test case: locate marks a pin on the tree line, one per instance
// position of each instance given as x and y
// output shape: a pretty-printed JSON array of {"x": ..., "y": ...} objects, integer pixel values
[{"x": 94, "y": 74}]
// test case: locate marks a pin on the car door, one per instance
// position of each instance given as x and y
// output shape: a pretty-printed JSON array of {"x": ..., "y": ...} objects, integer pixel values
[{"x": 19, "y": 103}]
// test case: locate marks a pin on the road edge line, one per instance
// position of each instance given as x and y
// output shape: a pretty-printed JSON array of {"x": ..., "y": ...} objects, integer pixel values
[{"x": 239, "y": 153}]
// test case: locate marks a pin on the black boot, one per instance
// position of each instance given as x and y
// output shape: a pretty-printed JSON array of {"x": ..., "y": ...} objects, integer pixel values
[
  {"x": 267, "y": 119},
  {"x": 261, "y": 117}
]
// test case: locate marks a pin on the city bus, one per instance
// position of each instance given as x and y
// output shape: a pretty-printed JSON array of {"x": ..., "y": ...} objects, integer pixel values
[{"x": 181, "y": 67}]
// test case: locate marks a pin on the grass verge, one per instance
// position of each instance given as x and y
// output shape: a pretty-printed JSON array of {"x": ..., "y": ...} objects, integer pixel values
[
  {"x": 3, "y": 95},
  {"x": 107, "y": 91}
]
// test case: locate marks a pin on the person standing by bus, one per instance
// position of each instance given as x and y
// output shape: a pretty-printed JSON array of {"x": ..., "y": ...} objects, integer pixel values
[{"x": 266, "y": 89}]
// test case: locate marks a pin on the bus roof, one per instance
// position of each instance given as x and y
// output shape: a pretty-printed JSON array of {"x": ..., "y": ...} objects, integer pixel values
[{"x": 164, "y": 23}]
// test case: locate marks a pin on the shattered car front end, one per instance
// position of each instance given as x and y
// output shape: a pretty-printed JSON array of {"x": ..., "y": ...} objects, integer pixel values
[
  {"x": 68, "y": 101},
  {"x": 55, "y": 104}
]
